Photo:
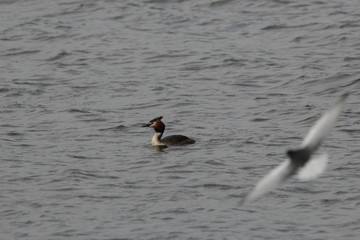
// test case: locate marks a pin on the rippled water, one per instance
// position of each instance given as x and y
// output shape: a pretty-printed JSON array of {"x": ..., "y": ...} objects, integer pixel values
[{"x": 246, "y": 79}]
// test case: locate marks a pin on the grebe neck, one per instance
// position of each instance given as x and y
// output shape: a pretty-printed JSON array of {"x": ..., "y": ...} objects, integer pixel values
[{"x": 156, "y": 139}]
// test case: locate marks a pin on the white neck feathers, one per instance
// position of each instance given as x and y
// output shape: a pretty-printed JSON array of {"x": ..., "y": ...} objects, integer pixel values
[{"x": 155, "y": 141}]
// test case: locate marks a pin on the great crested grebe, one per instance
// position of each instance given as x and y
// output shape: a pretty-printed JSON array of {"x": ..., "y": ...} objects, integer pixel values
[
  {"x": 300, "y": 160},
  {"x": 159, "y": 128}
]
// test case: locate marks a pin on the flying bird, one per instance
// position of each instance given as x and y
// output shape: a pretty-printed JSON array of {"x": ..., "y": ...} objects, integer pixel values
[{"x": 300, "y": 160}]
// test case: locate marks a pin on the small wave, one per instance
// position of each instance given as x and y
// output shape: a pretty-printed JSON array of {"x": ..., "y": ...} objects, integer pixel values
[
  {"x": 75, "y": 110},
  {"x": 220, "y": 3},
  {"x": 117, "y": 128},
  {"x": 213, "y": 185},
  {"x": 14, "y": 134},
  {"x": 58, "y": 56},
  {"x": 259, "y": 119},
  {"x": 15, "y": 52},
  {"x": 283, "y": 26},
  {"x": 99, "y": 197},
  {"x": 77, "y": 173},
  {"x": 4, "y": 90}
]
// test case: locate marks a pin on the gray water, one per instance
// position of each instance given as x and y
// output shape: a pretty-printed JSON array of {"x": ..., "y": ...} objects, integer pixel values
[{"x": 246, "y": 79}]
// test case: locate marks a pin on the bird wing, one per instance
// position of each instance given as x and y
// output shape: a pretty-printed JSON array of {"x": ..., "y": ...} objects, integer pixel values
[
  {"x": 323, "y": 126},
  {"x": 314, "y": 167},
  {"x": 271, "y": 181}
]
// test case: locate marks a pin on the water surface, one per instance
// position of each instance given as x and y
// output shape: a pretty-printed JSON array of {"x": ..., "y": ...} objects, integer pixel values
[{"x": 246, "y": 79}]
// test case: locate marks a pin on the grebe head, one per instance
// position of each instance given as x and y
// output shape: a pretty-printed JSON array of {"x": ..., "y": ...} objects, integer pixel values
[{"x": 156, "y": 124}]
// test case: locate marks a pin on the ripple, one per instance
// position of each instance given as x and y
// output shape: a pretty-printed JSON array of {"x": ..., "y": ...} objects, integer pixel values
[{"x": 18, "y": 52}]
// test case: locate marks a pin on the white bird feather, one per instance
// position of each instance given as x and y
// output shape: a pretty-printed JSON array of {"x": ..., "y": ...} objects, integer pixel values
[
  {"x": 314, "y": 168},
  {"x": 300, "y": 160}
]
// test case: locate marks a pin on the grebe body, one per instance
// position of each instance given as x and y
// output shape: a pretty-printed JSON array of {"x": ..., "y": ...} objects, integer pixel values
[{"x": 173, "y": 140}]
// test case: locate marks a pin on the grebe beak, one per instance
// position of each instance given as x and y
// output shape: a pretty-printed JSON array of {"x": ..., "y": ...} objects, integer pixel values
[{"x": 146, "y": 125}]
